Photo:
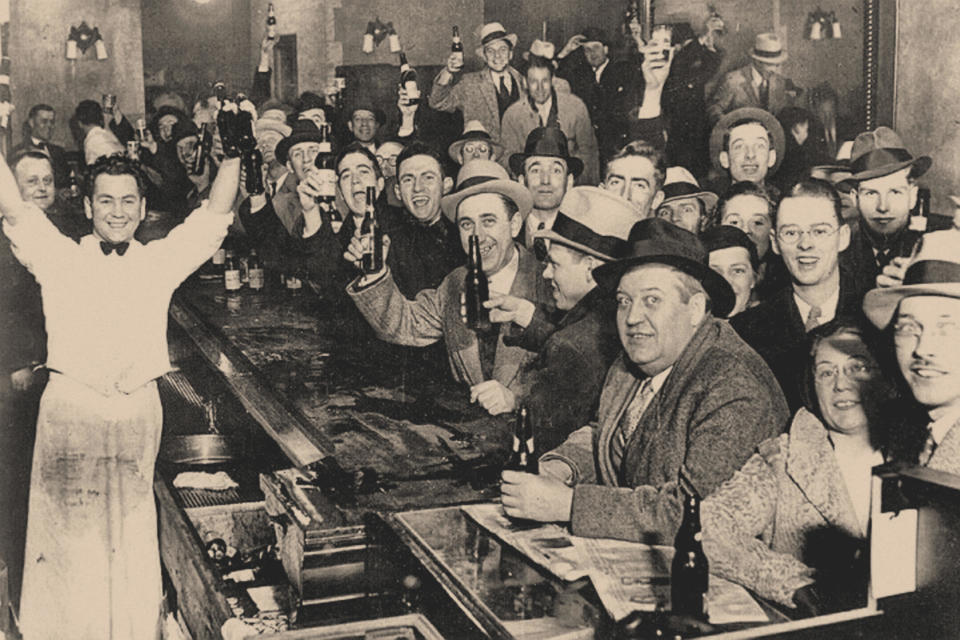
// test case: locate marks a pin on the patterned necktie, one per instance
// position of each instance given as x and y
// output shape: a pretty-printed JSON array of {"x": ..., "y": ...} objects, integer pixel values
[
  {"x": 629, "y": 421},
  {"x": 929, "y": 447},
  {"x": 110, "y": 247},
  {"x": 765, "y": 94},
  {"x": 813, "y": 319}
]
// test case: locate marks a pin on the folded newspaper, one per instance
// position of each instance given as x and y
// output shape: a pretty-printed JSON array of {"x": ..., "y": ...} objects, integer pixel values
[{"x": 628, "y": 576}]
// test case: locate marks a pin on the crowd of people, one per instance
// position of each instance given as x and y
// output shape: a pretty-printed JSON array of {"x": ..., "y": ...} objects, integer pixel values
[{"x": 721, "y": 283}]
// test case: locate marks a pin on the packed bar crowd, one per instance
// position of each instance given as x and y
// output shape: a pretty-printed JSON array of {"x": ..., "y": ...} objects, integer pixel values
[{"x": 723, "y": 286}]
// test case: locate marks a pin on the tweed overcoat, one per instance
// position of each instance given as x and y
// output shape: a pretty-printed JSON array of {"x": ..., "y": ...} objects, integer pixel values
[
  {"x": 475, "y": 96},
  {"x": 718, "y": 402}
]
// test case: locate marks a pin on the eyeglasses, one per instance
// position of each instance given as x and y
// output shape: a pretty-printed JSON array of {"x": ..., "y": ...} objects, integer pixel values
[
  {"x": 390, "y": 160},
  {"x": 856, "y": 369},
  {"x": 910, "y": 330},
  {"x": 818, "y": 233}
]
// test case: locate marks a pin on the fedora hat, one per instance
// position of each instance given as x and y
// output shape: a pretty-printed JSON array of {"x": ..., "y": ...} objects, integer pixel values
[
  {"x": 728, "y": 120},
  {"x": 593, "y": 221},
  {"x": 680, "y": 183},
  {"x": 491, "y": 32},
  {"x": 473, "y": 130},
  {"x": 271, "y": 124},
  {"x": 725, "y": 236},
  {"x": 767, "y": 47},
  {"x": 656, "y": 241},
  {"x": 302, "y": 131},
  {"x": 594, "y": 34},
  {"x": 881, "y": 152},
  {"x": 546, "y": 141},
  {"x": 485, "y": 176},
  {"x": 934, "y": 271},
  {"x": 543, "y": 49}
]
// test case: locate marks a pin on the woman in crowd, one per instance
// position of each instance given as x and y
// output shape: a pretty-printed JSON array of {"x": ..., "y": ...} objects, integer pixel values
[
  {"x": 790, "y": 525},
  {"x": 733, "y": 255}
]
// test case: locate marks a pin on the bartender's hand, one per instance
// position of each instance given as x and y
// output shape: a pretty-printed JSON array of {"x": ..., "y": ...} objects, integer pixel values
[
  {"x": 510, "y": 309},
  {"x": 21, "y": 379},
  {"x": 535, "y": 497},
  {"x": 892, "y": 274},
  {"x": 494, "y": 397}
]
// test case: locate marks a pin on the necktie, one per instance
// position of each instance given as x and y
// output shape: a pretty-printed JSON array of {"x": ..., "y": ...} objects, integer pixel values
[
  {"x": 929, "y": 447},
  {"x": 630, "y": 420},
  {"x": 503, "y": 87},
  {"x": 110, "y": 247},
  {"x": 765, "y": 94},
  {"x": 884, "y": 256},
  {"x": 813, "y": 319}
]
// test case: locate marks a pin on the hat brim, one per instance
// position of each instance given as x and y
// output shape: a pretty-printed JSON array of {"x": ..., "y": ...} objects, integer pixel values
[
  {"x": 708, "y": 198},
  {"x": 284, "y": 146},
  {"x": 766, "y": 118},
  {"x": 722, "y": 297},
  {"x": 553, "y": 236},
  {"x": 510, "y": 37},
  {"x": 920, "y": 166},
  {"x": 574, "y": 164},
  {"x": 772, "y": 60},
  {"x": 513, "y": 190},
  {"x": 457, "y": 146},
  {"x": 879, "y": 305}
]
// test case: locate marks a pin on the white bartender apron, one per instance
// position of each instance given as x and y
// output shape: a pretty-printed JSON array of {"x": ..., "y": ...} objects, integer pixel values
[{"x": 92, "y": 562}]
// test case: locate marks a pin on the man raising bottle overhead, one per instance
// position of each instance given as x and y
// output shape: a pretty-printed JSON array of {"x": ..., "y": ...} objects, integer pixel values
[{"x": 92, "y": 557}]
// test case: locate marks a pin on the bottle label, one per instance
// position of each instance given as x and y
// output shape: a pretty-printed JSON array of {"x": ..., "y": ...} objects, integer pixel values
[
  {"x": 220, "y": 256},
  {"x": 293, "y": 283},
  {"x": 231, "y": 279},
  {"x": 256, "y": 278}
]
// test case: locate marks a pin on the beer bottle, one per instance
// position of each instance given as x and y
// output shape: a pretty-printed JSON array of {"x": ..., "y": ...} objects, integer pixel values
[
  {"x": 368, "y": 38},
  {"x": 457, "y": 46},
  {"x": 325, "y": 163},
  {"x": 476, "y": 289},
  {"x": 920, "y": 213},
  {"x": 255, "y": 271},
  {"x": 523, "y": 455},
  {"x": 231, "y": 273},
  {"x": 73, "y": 185},
  {"x": 203, "y": 150},
  {"x": 141, "y": 130},
  {"x": 253, "y": 172},
  {"x": 372, "y": 236},
  {"x": 133, "y": 150},
  {"x": 393, "y": 38},
  {"x": 689, "y": 571},
  {"x": 408, "y": 78},
  {"x": 271, "y": 22}
]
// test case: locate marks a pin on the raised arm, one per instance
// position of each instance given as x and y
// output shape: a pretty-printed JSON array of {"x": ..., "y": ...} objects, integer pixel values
[
  {"x": 223, "y": 191},
  {"x": 10, "y": 201}
]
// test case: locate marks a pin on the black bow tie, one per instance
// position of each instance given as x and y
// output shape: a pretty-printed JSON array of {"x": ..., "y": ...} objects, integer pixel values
[{"x": 110, "y": 247}]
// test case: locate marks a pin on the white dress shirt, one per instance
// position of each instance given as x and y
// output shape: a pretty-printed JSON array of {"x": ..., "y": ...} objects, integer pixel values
[
  {"x": 508, "y": 80},
  {"x": 106, "y": 315},
  {"x": 828, "y": 310},
  {"x": 598, "y": 72},
  {"x": 543, "y": 110},
  {"x": 501, "y": 281}
]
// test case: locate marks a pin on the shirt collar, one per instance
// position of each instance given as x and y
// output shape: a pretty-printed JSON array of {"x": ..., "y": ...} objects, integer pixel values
[
  {"x": 943, "y": 418},
  {"x": 37, "y": 142},
  {"x": 828, "y": 310},
  {"x": 544, "y": 109},
  {"x": 502, "y": 281},
  {"x": 599, "y": 70},
  {"x": 657, "y": 381},
  {"x": 757, "y": 78},
  {"x": 91, "y": 244}
]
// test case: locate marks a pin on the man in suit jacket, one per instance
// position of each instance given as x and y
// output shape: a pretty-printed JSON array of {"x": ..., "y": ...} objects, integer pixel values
[
  {"x": 481, "y": 95},
  {"x": 687, "y": 394},
  {"x": 42, "y": 119},
  {"x": 808, "y": 232},
  {"x": 574, "y": 354},
  {"x": 491, "y": 206},
  {"x": 884, "y": 181},
  {"x": 758, "y": 84},
  {"x": 925, "y": 312}
]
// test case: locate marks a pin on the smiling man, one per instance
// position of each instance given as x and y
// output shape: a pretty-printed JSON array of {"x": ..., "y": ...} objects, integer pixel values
[
  {"x": 93, "y": 563},
  {"x": 925, "y": 313},
  {"x": 491, "y": 206},
  {"x": 42, "y": 120},
  {"x": 746, "y": 145},
  {"x": 636, "y": 173},
  {"x": 686, "y": 394},
  {"x": 809, "y": 234}
]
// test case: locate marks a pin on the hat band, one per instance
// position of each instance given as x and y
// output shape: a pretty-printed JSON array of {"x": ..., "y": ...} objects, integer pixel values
[
  {"x": 475, "y": 135},
  {"x": 582, "y": 234},
  {"x": 880, "y": 158},
  {"x": 663, "y": 247},
  {"x": 490, "y": 37},
  {"x": 767, "y": 54},
  {"x": 932, "y": 271},
  {"x": 677, "y": 189},
  {"x": 474, "y": 181}
]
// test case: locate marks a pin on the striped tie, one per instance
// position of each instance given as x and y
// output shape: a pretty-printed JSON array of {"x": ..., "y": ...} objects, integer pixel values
[
  {"x": 929, "y": 448},
  {"x": 813, "y": 319},
  {"x": 629, "y": 421}
]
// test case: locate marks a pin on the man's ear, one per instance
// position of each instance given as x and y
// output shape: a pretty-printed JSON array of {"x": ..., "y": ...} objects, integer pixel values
[
  {"x": 88, "y": 207},
  {"x": 771, "y": 158},
  {"x": 350, "y": 126},
  {"x": 515, "y": 223},
  {"x": 380, "y": 185},
  {"x": 447, "y": 185},
  {"x": 143, "y": 205},
  {"x": 657, "y": 200},
  {"x": 569, "y": 181},
  {"x": 725, "y": 160},
  {"x": 775, "y": 246},
  {"x": 396, "y": 190},
  {"x": 606, "y": 50},
  {"x": 844, "y": 236},
  {"x": 698, "y": 302},
  {"x": 914, "y": 189},
  {"x": 289, "y": 165}
]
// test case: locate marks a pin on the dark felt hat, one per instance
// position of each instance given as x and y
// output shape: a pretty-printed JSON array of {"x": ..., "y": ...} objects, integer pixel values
[
  {"x": 656, "y": 241},
  {"x": 593, "y": 34},
  {"x": 183, "y": 129},
  {"x": 302, "y": 131},
  {"x": 725, "y": 236},
  {"x": 546, "y": 141},
  {"x": 881, "y": 152}
]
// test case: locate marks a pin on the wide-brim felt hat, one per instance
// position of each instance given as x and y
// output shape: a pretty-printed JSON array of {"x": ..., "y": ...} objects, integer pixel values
[
  {"x": 491, "y": 32},
  {"x": 474, "y": 130},
  {"x": 302, "y": 131},
  {"x": 486, "y": 176},
  {"x": 881, "y": 152},
  {"x": 767, "y": 47},
  {"x": 767, "y": 119},
  {"x": 168, "y": 110},
  {"x": 594, "y": 34},
  {"x": 935, "y": 271},
  {"x": 271, "y": 124},
  {"x": 593, "y": 221},
  {"x": 656, "y": 241},
  {"x": 725, "y": 236},
  {"x": 546, "y": 141},
  {"x": 377, "y": 112},
  {"x": 680, "y": 183}
]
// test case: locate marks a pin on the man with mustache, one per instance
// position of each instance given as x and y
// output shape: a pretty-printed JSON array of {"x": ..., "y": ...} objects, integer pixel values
[
  {"x": 809, "y": 234},
  {"x": 925, "y": 313}
]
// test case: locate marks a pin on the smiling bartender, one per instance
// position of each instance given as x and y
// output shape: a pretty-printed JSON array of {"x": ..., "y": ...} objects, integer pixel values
[{"x": 92, "y": 566}]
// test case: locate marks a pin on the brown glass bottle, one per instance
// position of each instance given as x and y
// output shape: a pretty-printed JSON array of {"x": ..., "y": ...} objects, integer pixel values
[
  {"x": 689, "y": 573},
  {"x": 372, "y": 236},
  {"x": 456, "y": 47},
  {"x": 476, "y": 289}
]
